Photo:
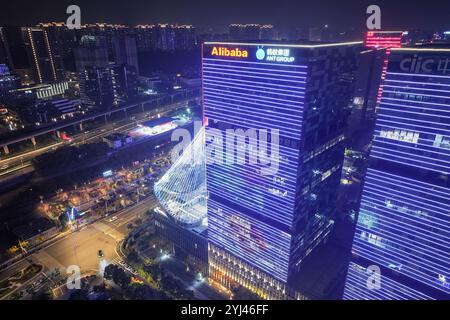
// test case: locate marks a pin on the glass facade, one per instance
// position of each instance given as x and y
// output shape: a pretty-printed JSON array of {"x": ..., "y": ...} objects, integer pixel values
[
  {"x": 291, "y": 99},
  {"x": 181, "y": 191},
  {"x": 403, "y": 225}
]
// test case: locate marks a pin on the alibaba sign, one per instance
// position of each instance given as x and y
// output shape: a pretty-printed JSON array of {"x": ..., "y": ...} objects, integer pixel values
[{"x": 226, "y": 52}]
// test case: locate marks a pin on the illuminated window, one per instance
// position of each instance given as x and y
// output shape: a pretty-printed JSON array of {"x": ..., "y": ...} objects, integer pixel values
[
  {"x": 442, "y": 141},
  {"x": 400, "y": 135}
]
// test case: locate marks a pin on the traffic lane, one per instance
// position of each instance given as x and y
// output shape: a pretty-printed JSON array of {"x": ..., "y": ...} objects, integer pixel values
[
  {"x": 121, "y": 221},
  {"x": 5, "y": 274},
  {"x": 81, "y": 247}
]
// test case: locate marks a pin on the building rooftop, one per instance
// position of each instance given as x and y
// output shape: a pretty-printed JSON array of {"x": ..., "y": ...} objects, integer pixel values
[
  {"x": 304, "y": 44},
  {"x": 439, "y": 47},
  {"x": 157, "y": 122}
]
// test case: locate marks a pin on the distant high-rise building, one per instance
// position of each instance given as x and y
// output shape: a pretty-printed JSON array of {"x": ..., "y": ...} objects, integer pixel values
[
  {"x": 212, "y": 37},
  {"x": 106, "y": 31},
  {"x": 400, "y": 248},
  {"x": 165, "y": 37},
  {"x": 15, "y": 53},
  {"x": 417, "y": 37},
  {"x": 63, "y": 41},
  {"x": 295, "y": 34},
  {"x": 124, "y": 83},
  {"x": 145, "y": 37},
  {"x": 320, "y": 34},
  {"x": 263, "y": 224},
  {"x": 106, "y": 87},
  {"x": 125, "y": 51},
  {"x": 442, "y": 37},
  {"x": 8, "y": 83},
  {"x": 46, "y": 66},
  {"x": 267, "y": 32},
  {"x": 92, "y": 52},
  {"x": 4, "y": 56},
  {"x": 251, "y": 32},
  {"x": 185, "y": 37},
  {"x": 96, "y": 87}
]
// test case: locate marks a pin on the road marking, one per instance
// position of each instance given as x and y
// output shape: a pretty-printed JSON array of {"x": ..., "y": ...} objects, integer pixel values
[
  {"x": 47, "y": 260},
  {"x": 107, "y": 230}
]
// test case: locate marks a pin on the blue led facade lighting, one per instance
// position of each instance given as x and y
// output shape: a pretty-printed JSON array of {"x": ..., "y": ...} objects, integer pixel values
[
  {"x": 261, "y": 227},
  {"x": 404, "y": 218}
]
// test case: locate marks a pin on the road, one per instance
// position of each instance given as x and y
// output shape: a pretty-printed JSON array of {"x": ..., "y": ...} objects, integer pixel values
[
  {"x": 81, "y": 247},
  {"x": 15, "y": 165}
]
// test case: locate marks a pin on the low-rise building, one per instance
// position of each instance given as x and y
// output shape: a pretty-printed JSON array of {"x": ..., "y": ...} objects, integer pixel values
[{"x": 117, "y": 140}]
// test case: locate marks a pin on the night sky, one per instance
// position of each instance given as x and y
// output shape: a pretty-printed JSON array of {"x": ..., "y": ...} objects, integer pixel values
[{"x": 341, "y": 14}]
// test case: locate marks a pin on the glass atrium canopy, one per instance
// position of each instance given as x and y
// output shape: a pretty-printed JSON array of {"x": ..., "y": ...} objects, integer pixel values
[{"x": 182, "y": 189}]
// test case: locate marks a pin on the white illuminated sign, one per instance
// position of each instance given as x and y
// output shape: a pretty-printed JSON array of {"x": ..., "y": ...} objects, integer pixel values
[{"x": 275, "y": 55}]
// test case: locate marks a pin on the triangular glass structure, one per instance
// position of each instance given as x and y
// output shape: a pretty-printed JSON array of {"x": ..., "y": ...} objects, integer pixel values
[{"x": 182, "y": 189}]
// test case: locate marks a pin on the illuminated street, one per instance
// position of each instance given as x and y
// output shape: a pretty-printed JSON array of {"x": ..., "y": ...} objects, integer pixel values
[
  {"x": 208, "y": 159},
  {"x": 81, "y": 247}
]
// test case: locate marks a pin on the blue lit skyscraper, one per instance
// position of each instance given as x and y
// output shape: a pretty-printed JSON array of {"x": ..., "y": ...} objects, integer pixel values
[
  {"x": 404, "y": 219},
  {"x": 261, "y": 227}
]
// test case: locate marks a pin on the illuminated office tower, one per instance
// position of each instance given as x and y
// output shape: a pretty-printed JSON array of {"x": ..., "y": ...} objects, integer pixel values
[
  {"x": 45, "y": 64},
  {"x": 262, "y": 224},
  {"x": 404, "y": 218},
  {"x": 384, "y": 40},
  {"x": 372, "y": 66},
  {"x": 62, "y": 41}
]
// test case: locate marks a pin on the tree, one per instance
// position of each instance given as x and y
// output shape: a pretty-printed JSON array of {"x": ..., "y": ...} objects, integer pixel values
[
  {"x": 63, "y": 220},
  {"x": 154, "y": 270},
  {"x": 133, "y": 257},
  {"x": 141, "y": 292},
  {"x": 109, "y": 271},
  {"x": 121, "y": 278},
  {"x": 117, "y": 274},
  {"x": 46, "y": 295},
  {"x": 13, "y": 250}
]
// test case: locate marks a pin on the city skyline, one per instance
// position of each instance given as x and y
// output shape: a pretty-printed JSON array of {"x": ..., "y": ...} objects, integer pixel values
[
  {"x": 251, "y": 150},
  {"x": 283, "y": 14}
]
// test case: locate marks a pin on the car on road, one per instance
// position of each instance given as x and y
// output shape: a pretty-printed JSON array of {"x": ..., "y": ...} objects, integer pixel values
[{"x": 112, "y": 219}]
